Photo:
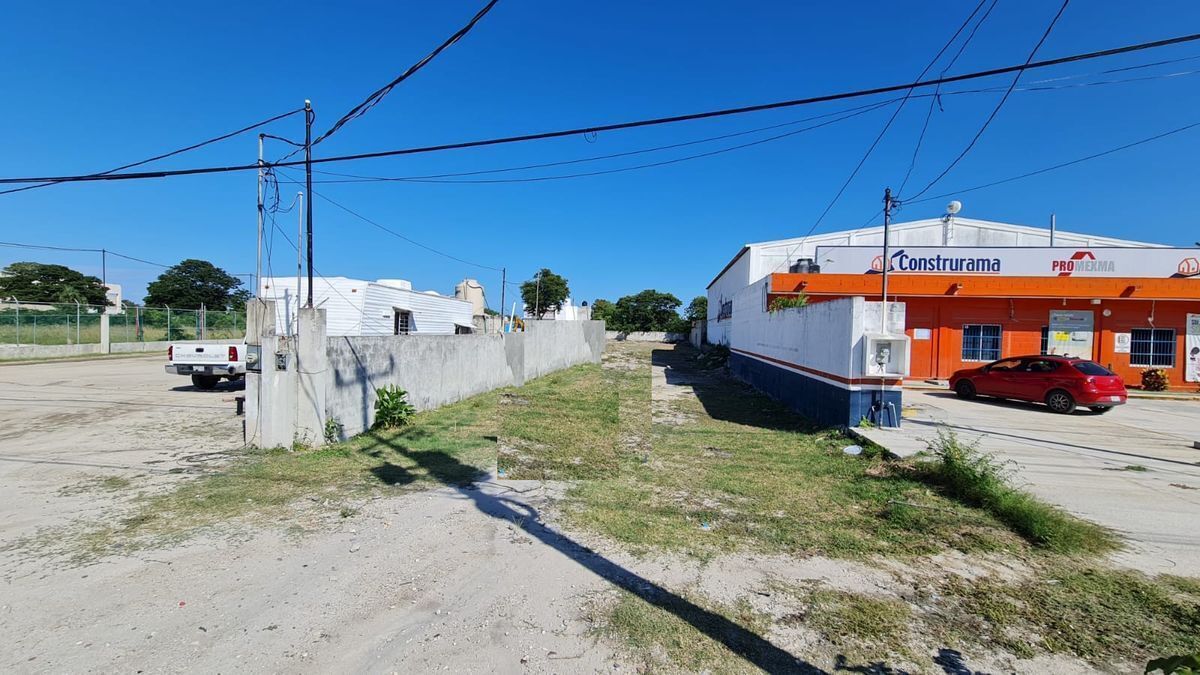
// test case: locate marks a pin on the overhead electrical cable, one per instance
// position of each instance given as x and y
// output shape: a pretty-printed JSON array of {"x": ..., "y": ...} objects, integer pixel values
[
  {"x": 677, "y": 160},
  {"x": 401, "y": 236},
  {"x": 165, "y": 155},
  {"x": 888, "y": 125},
  {"x": 935, "y": 100},
  {"x": 46, "y": 247},
  {"x": 377, "y": 95},
  {"x": 995, "y": 111},
  {"x": 430, "y": 178},
  {"x": 1157, "y": 44}
]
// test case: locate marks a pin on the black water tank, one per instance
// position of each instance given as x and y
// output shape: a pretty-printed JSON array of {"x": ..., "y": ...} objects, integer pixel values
[{"x": 805, "y": 266}]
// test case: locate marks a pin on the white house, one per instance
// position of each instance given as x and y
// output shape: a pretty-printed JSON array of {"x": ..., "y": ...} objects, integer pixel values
[{"x": 359, "y": 307}]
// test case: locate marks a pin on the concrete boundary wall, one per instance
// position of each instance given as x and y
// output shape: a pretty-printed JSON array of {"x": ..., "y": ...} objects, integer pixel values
[
  {"x": 311, "y": 379},
  {"x": 811, "y": 358},
  {"x": 58, "y": 351},
  {"x": 646, "y": 336},
  {"x": 440, "y": 369}
]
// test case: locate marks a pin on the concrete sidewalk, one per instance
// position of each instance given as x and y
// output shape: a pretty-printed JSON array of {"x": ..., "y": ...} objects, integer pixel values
[{"x": 1133, "y": 469}]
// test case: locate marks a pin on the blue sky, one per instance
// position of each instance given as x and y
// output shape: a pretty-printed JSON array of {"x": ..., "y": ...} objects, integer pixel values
[{"x": 88, "y": 86}]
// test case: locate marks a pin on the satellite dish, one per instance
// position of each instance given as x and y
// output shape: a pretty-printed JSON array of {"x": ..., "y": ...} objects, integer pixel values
[{"x": 954, "y": 207}]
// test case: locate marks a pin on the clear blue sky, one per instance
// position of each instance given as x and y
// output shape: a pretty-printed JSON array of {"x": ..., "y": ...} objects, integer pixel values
[{"x": 88, "y": 86}]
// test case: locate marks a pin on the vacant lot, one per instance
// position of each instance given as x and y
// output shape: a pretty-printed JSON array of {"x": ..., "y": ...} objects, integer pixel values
[
  {"x": 67, "y": 427},
  {"x": 651, "y": 515}
]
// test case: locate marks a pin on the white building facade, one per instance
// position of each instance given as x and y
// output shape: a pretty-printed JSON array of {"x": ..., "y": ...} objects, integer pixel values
[{"x": 359, "y": 307}]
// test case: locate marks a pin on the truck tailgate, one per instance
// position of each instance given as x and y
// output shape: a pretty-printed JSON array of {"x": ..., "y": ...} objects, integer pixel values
[{"x": 201, "y": 354}]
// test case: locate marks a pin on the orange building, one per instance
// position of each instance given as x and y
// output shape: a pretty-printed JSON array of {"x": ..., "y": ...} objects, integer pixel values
[{"x": 1127, "y": 305}]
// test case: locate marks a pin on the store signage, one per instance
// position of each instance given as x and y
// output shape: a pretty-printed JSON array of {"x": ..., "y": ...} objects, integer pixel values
[
  {"x": 1192, "y": 345},
  {"x": 1014, "y": 261}
]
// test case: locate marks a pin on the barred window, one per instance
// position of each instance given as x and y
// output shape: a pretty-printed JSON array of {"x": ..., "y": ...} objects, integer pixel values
[
  {"x": 980, "y": 342},
  {"x": 1152, "y": 347}
]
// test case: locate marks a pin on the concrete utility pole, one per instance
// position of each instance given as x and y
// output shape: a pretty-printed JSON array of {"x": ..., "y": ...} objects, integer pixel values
[
  {"x": 887, "y": 220},
  {"x": 503, "y": 288},
  {"x": 258, "y": 265},
  {"x": 309, "y": 116},
  {"x": 537, "y": 297}
]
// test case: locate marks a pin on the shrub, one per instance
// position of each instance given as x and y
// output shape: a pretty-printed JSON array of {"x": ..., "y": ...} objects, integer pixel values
[
  {"x": 780, "y": 303},
  {"x": 979, "y": 480},
  {"x": 714, "y": 356},
  {"x": 392, "y": 408},
  {"x": 1155, "y": 379}
]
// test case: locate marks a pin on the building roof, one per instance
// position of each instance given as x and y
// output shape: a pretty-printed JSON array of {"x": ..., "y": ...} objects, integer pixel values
[{"x": 968, "y": 232}]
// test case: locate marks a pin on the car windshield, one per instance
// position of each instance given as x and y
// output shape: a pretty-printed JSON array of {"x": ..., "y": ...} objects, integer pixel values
[{"x": 1090, "y": 368}]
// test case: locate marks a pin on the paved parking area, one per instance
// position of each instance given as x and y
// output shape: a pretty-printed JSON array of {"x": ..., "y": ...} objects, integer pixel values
[
  {"x": 1133, "y": 469},
  {"x": 65, "y": 426}
]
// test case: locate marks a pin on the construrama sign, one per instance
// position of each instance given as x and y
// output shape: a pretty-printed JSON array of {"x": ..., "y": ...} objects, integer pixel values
[{"x": 1014, "y": 261}]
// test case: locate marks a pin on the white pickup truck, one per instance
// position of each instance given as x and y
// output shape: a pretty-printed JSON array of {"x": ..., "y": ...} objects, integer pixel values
[{"x": 208, "y": 363}]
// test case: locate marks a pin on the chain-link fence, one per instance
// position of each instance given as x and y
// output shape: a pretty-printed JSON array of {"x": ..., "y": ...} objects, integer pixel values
[{"x": 39, "y": 323}]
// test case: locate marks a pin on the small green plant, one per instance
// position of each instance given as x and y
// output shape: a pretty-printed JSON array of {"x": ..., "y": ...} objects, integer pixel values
[
  {"x": 1155, "y": 379},
  {"x": 392, "y": 409},
  {"x": 780, "y": 303},
  {"x": 333, "y": 430}
]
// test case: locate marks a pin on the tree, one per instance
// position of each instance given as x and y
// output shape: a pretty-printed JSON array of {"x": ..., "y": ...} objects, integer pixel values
[
  {"x": 697, "y": 309},
  {"x": 193, "y": 283},
  {"x": 545, "y": 292},
  {"x": 602, "y": 310},
  {"x": 39, "y": 282},
  {"x": 646, "y": 311}
]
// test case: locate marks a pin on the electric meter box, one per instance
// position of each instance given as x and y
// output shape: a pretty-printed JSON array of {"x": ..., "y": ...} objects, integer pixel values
[{"x": 885, "y": 355}]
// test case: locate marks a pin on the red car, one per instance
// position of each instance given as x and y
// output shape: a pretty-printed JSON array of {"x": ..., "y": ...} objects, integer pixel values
[{"x": 1060, "y": 382}]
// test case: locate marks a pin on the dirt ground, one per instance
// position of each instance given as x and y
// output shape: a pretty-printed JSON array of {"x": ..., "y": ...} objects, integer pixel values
[
  {"x": 69, "y": 426},
  {"x": 470, "y": 579}
]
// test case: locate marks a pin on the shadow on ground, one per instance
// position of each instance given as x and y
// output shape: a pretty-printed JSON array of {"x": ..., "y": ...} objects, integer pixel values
[{"x": 722, "y": 399}]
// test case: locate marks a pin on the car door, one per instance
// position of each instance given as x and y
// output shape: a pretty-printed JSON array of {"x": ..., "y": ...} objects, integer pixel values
[
  {"x": 1031, "y": 381},
  {"x": 997, "y": 380}
]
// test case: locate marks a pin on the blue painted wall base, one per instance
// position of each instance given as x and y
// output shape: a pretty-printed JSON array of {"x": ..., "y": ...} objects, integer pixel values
[{"x": 819, "y": 401}]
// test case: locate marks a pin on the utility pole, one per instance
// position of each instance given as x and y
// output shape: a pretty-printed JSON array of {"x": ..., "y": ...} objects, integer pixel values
[
  {"x": 258, "y": 267},
  {"x": 104, "y": 272},
  {"x": 503, "y": 288},
  {"x": 887, "y": 220},
  {"x": 537, "y": 297},
  {"x": 309, "y": 116},
  {"x": 299, "y": 263}
]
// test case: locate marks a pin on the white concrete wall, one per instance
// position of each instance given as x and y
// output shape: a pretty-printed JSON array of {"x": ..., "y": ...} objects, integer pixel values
[
  {"x": 440, "y": 369},
  {"x": 645, "y": 336}
]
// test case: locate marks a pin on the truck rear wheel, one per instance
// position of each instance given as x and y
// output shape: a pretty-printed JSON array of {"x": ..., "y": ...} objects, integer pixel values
[{"x": 205, "y": 381}]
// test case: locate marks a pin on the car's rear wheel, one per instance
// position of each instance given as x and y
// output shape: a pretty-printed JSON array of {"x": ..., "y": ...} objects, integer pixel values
[
  {"x": 1100, "y": 409},
  {"x": 205, "y": 381},
  {"x": 965, "y": 389},
  {"x": 1060, "y": 402}
]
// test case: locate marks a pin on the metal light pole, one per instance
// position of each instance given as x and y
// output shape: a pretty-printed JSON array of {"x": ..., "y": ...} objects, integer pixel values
[
  {"x": 887, "y": 220},
  {"x": 309, "y": 116}
]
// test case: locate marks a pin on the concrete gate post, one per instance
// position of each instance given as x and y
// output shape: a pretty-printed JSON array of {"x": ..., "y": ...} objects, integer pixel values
[
  {"x": 312, "y": 368},
  {"x": 105, "y": 333}
]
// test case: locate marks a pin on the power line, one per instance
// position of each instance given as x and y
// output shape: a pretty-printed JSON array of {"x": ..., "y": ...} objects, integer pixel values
[
  {"x": 535, "y": 179},
  {"x": 639, "y": 123},
  {"x": 999, "y": 105},
  {"x": 401, "y": 236},
  {"x": 167, "y": 154},
  {"x": 377, "y": 96},
  {"x": 358, "y": 178},
  {"x": 934, "y": 98},
  {"x": 47, "y": 247},
  {"x": 895, "y": 114},
  {"x": 435, "y": 178},
  {"x": 1054, "y": 167}
]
